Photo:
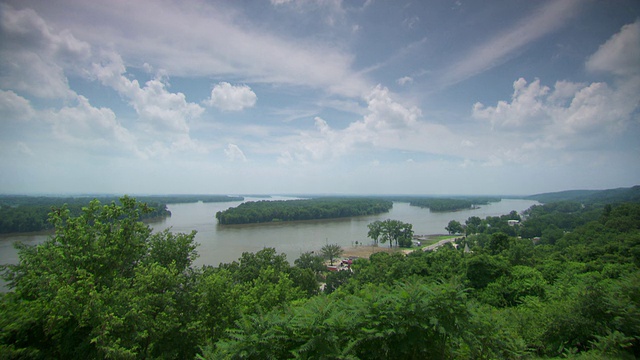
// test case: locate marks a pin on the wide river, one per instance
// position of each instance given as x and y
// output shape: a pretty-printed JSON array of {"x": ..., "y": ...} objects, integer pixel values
[{"x": 223, "y": 244}]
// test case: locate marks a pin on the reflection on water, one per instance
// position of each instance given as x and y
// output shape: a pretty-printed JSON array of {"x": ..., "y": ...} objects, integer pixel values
[{"x": 226, "y": 243}]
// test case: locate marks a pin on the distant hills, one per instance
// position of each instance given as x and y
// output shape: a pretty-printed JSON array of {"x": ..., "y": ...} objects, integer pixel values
[{"x": 609, "y": 196}]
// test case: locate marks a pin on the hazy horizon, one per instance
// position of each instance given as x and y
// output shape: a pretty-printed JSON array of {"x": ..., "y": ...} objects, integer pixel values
[{"x": 310, "y": 194}]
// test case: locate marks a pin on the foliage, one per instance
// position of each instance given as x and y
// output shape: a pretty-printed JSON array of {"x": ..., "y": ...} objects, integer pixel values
[
  {"x": 102, "y": 286},
  {"x": 391, "y": 231},
  {"x": 609, "y": 196},
  {"x": 453, "y": 204},
  {"x": 292, "y": 210},
  {"x": 332, "y": 251},
  {"x": 454, "y": 227},
  {"x": 20, "y": 213},
  {"x": 311, "y": 261},
  {"x": 105, "y": 286},
  {"x": 407, "y": 321}
]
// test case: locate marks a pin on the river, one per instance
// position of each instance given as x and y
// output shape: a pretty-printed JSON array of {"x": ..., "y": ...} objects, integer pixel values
[{"x": 223, "y": 244}]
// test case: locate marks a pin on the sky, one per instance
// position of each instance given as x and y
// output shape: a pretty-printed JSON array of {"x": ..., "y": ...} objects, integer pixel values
[{"x": 318, "y": 97}]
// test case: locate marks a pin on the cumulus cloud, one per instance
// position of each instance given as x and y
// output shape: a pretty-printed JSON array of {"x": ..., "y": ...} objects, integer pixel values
[
  {"x": 34, "y": 58},
  {"x": 589, "y": 111},
  {"x": 164, "y": 115},
  {"x": 229, "y": 97},
  {"x": 524, "y": 109},
  {"x": 387, "y": 124},
  {"x": 233, "y": 153},
  {"x": 385, "y": 113},
  {"x": 14, "y": 107},
  {"x": 90, "y": 127},
  {"x": 573, "y": 115},
  {"x": 620, "y": 55}
]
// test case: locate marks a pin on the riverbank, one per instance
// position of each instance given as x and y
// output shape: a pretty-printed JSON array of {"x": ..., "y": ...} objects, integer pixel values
[{"x": 427, "y": 241}]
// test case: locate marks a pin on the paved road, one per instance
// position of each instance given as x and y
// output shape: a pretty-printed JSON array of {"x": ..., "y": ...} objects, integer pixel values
[{"x": 438, "y": 244}]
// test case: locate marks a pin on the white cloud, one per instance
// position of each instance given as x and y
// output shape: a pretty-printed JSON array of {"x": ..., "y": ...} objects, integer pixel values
[
  {"x": 620, "y": 55},
  {"x": 573, "y": 116},
  {"x": 217, "y": 40},
  {"x": 36, "y": 60},
  {"x": 229, "y": 97},
  {"x": 164, "y": 115},
  {"x": 233, "y": 153},
  {"x": 385, "y": 113},
  {"x": 404, "y": 80},
  {"x": 525, "y": 108},
  {"x": 497, "y": 49},
  {"x": 14, "y": 107},
  {"x": 386, "y": 125},
  {"x": 91, "y": 128},
  {"x": 33, "y": 58},
  {"x": 535, "y": 120}
]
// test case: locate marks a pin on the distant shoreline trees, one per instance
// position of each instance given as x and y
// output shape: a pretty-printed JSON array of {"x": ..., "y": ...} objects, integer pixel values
[
  {"x": 442, "y": 204},
  {"x": 293, "y": 210},
  {"x": 104, "y": 285},
  {"x": 21, "y": 213}
]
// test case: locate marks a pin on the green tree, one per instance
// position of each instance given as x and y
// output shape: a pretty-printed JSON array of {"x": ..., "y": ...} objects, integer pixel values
[
  {"x": 391, "y": 231},
  {"x": 454, "y": 227},
  {"x": 311, "y": 261},
  {"x": 101, "y": 286},
  {"x": 332, "y": 251},
  {"x": 375, "y": 231},
  {"x": 498, "y": 243},
  {"x": 473, "y": 225}
]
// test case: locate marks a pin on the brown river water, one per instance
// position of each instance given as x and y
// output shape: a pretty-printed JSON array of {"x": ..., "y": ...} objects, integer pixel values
[{"x": 223, "y": 244}]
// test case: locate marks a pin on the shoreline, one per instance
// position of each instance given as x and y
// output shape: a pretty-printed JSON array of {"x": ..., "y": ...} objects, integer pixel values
[{"x": 364, "y": 251}]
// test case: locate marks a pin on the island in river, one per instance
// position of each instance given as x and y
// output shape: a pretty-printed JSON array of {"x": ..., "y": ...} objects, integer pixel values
[{"x": 307, "y": 209}]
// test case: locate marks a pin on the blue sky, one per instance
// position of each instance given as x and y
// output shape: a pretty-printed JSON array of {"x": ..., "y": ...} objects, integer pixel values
[{"x": 327, "y": 96}]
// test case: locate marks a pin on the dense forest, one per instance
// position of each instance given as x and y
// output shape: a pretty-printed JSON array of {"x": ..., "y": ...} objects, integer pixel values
[
  {"x": 292, "y": 210},
  {"x": 20, "y": 213},
  {"x": 591, "y": 196},
  {"x": 105, "y": 286},
  {"x": 450, "y": 204}
]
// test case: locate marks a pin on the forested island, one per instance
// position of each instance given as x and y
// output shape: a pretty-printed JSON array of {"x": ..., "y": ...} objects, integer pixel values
[
  {"x": 294, "y": 210},
  {"x": 21, "y": 213},
  {"x": 563, "y": 282},
  {"x": 30, "y": 213},
  {"x": 450, "y": 204}
]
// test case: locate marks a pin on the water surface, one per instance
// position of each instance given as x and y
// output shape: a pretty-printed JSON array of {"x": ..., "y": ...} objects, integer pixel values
[{"x": 222, "y": 244}]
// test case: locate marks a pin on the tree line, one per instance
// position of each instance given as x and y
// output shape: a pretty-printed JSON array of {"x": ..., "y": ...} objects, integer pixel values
[
  {"x": 31, "y": 213},
  {"x": 293, "y": 210},
  {"x": 452, "y": 204},
  {"x": 106, "y": 286},
  {"x": 21, "y": 213}
]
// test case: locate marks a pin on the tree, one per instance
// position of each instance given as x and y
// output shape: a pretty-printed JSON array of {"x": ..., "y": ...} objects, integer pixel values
[
  {"x": 392, "y": 231},
  {"x": 472, "y": 224},
  {"x": 498, "y": 243},
  {"x": 375, "y": 230},
  {"x": 454, "y": 227},
  {"x": 309, "y": 260},
  {"x": 332, "y": 251},
  {"x": 101, "y": 286}
]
